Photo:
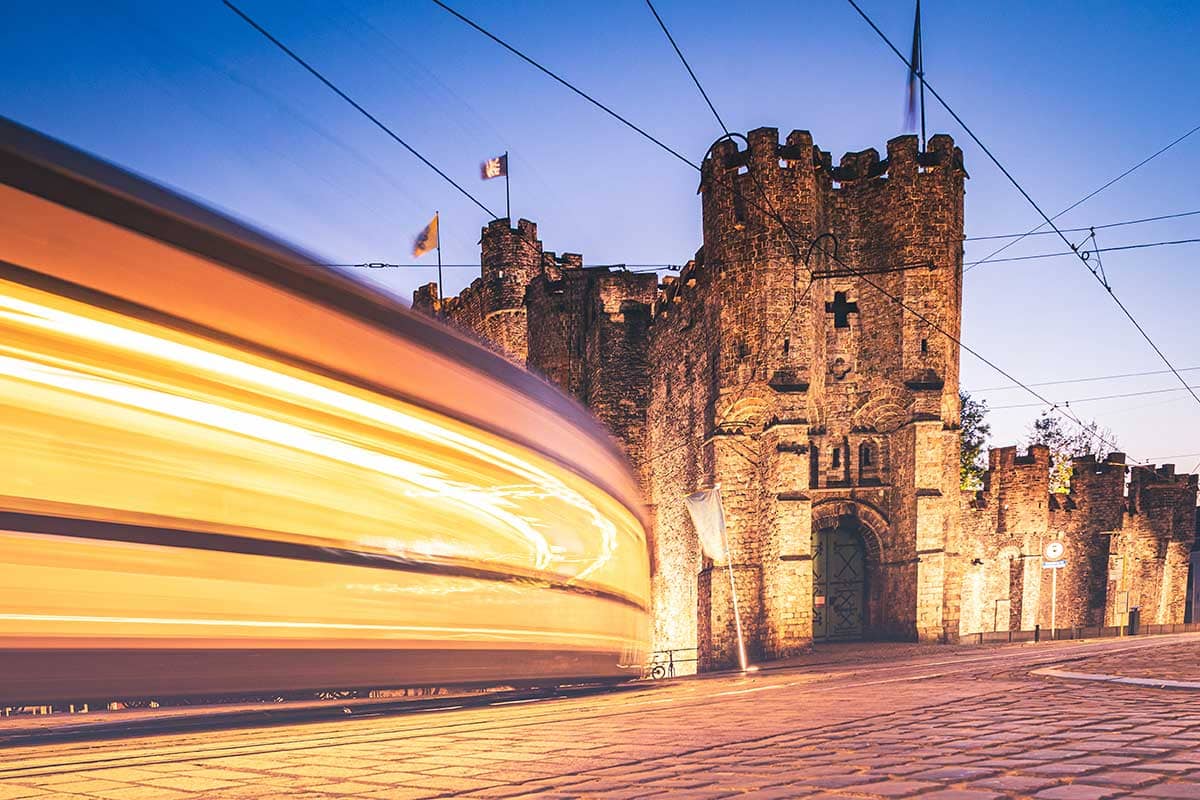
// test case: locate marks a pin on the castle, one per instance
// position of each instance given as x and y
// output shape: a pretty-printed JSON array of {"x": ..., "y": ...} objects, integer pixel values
[{"x": 807, "y": 361}]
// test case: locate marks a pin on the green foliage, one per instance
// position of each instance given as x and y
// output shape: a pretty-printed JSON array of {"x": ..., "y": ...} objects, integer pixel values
[
  {"x": 974, "y": 436},
  {"x": 1090, "y": 439}
]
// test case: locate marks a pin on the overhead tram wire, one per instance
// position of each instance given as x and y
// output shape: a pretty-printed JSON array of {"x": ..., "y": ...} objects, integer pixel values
[
  {"x": 1074, "y": 252},
  {"x": 356, "y": 106},
  {"x": 796, "y": 298},
  {"x": 1097, "y": 398},
  {"x": 565, "y": 83},
  {"x": 1037, "y": 229},
  {"x": 816, "y": 242},
  {"x": 385, "y": 265},
  {"x": 1087, "y": 380},
  {"x": 1077, "y": 230},
  {"x": 1095, "y": 274}
]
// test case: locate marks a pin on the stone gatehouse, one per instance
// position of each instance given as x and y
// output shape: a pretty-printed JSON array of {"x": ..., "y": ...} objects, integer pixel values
[{"x": 806, "y": 360}]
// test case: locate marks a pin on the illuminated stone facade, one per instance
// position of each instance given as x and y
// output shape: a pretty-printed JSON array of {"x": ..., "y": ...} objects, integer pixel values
[
  {"x": 806, "y": 361},
  {"x": 1123, "y": 547}
]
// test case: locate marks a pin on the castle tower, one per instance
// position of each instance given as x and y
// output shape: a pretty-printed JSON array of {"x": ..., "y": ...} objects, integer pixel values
[{"x": 830, "y": 414}]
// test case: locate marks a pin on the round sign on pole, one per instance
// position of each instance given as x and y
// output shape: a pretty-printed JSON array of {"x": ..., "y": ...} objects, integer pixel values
[{"x": 1054, "y": 551}]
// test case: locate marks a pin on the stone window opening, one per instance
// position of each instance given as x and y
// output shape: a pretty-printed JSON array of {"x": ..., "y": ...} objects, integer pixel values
[
  {"x": 837, "y": 457},
  {"x": 864, "y": 454},
  {"x": 499, "y": 273},
  {"x": 841, "y": 309},
  {"x": 787, "y": 343},
  {"x": 924, "y": 345},
  {"x": 814, "y": 466}
]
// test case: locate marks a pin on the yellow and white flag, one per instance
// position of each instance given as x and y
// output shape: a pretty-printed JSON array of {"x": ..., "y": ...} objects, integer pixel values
[{"x": 427, "y": 239}]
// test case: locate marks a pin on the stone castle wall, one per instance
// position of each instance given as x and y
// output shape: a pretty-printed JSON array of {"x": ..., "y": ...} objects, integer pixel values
[
  {"x": 1121, "y": 549},
  {"x": 806, "y": 361}
]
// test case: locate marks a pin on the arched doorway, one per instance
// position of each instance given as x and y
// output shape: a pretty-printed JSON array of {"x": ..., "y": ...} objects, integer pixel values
[{"x": 839, "y": 581}]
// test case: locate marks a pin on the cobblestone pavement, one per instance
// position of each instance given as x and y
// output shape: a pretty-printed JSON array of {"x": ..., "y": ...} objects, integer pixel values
[
  {"x": 1180, "y": 662},
  {"x": 957, "y": 726}
]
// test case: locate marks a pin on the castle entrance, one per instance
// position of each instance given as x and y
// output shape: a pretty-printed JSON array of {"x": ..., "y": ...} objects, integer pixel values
[{"x": 839, "y": 582}]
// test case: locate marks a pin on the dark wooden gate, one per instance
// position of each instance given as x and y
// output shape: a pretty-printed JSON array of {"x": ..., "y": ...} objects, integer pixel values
[{"x": 839, "y": 581}]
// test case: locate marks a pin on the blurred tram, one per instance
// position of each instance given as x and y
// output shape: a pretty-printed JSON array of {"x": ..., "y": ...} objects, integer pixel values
[{"x": 224, "y": 470}]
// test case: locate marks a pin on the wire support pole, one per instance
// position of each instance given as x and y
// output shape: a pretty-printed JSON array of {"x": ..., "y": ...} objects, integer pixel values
[
  {"x": 356, "y": 106},
  {"x": 1030, "y": 200},
  {"x": 441, "y": 294},
  {"x": 737, "y": 614},
  {"x": 567, "y": 84}
]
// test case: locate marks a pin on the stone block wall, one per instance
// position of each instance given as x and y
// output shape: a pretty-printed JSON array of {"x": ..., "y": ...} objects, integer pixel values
[
  {"x": 805, "y": 360},
  {"x": 1149, "y": 555},
  {"x": 1121, "y": 549}
]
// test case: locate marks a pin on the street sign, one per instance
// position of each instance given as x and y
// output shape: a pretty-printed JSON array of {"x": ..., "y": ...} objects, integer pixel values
[
  {"x": 1054, "y": 564},
  {"x": 1054, "y": 551}
]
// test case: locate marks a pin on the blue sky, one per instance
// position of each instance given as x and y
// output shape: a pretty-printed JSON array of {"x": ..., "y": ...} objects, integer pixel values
[{"x": 1066, "y": 94}]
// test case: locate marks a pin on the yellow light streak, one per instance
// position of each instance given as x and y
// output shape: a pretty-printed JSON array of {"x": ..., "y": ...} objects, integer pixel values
[
  {"x": 229, "y": 370},
  {"x": 350, "y": 626}
]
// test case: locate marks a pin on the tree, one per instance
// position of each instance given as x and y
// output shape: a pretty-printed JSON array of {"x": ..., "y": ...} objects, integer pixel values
[
  {"x": 1087, "y": 439},
  {"x": 974, "y": 435}
]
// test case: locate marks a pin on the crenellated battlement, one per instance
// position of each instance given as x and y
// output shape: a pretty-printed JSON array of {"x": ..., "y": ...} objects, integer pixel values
[
  {"x": 797, "y": 152},
  {"x": 1160, "y": 485}
]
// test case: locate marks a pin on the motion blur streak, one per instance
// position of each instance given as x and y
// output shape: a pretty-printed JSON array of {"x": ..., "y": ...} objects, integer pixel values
[{"x": 190, "y": 504}]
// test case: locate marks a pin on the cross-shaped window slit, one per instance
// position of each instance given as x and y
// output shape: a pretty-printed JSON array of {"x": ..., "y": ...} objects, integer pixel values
[{"x": 841, "y": 310}]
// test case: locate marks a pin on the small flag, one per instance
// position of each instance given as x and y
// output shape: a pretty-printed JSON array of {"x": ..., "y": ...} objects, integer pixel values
[
  {"x": 427, "y": 239},
  {"x": 708, "y": 517},
  {"x": 914, "y": 73},
  {"x": 494, "y": 167}
]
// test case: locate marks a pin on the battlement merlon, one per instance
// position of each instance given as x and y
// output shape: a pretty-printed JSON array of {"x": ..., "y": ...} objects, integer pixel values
[
  {"x": 904, "y": 159},
  {"x": 1003, "y": 459},
  {"x": 425, "y": 298},
  {"x": 1161, "y": 477}
]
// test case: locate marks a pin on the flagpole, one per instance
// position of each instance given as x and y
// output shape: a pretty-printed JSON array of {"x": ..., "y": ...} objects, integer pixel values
[
  {"x": 737, "y": 616},
  {"x": 439, "y": 249},
  {"x": 507, "y": 202},
  {"x": 921, "y": 73}
]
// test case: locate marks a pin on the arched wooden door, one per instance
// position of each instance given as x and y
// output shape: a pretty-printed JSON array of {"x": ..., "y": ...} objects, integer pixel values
[{"x": 839, "y": 584}]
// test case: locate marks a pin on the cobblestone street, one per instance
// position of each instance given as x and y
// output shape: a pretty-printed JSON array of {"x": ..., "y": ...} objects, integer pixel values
[{"x": 950, "y": 724}]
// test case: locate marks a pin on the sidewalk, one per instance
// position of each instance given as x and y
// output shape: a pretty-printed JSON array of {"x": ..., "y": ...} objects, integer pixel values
[{"x": 1174, "y": 666}]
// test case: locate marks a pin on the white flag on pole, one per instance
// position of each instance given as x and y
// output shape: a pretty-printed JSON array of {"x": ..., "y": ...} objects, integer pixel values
[{"x": 708, "y": 517}]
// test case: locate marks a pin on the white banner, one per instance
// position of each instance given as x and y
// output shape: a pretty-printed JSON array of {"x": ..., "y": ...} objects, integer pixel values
[{"x": 708, "y": 516}]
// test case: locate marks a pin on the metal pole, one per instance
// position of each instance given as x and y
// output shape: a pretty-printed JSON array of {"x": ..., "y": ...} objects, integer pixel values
[
  {"x": 507, "y": 202},
  {"x": 1053, "y": 600},
  {"x": 737, "y": 617},
  {"x": 438, "y": 222},
  {"x": 921, "y": 73}
]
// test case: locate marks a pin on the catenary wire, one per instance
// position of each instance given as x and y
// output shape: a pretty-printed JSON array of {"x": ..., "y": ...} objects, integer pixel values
[
  {"x": 1098, "y": 397},
  {"x": 641, "y": 268},
  {"x": 1078, "y": 230},
  {"x": 1086, "y": 380},
  {"x": 1091, "y": 194},
  {"x": 566, "y": 83},
  {"x": 1036, "y": 256},
  {"x": 816, "y": 243},
  {"x": 797, "y": 298},
  {"x": 356, "y": 106},
  {"x": 1032, "y": 202}
]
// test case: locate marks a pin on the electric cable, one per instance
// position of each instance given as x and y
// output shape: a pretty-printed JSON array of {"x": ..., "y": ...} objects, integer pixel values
[
  {"x": 1032, "y": 202},
  {"x": 1077, "y": 230},
  {"x": 1066, "y": 413},
  {"x": 565, "y": 83},
  {"x": 1036, "y": 256},
  {"x": 356, "y": 106}
]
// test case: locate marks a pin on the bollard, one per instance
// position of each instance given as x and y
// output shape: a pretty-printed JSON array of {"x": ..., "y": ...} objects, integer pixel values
[
  {"x": 1135, "y": 620},
  {"x": 1037, "y": 633}
]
